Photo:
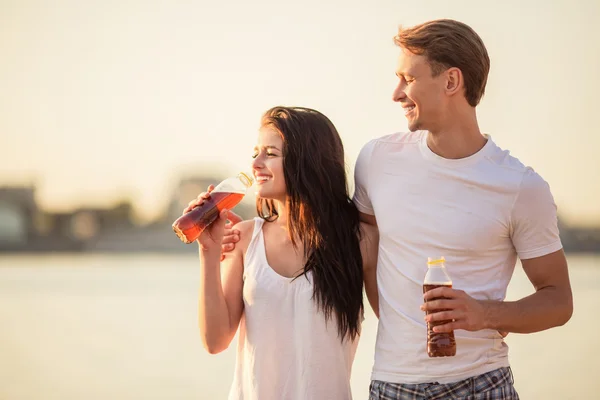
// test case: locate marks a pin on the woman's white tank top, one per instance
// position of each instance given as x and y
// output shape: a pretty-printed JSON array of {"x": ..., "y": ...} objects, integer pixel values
[{"x": 286, "y": 349}]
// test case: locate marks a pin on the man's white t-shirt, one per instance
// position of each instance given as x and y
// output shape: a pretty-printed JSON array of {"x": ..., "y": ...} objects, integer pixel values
[{"x": 479, "y": 212}]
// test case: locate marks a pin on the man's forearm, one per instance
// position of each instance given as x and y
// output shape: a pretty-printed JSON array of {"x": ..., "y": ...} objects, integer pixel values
[
  {"x": 546, "y": 308},
  {"x": 370, "y": 278}
]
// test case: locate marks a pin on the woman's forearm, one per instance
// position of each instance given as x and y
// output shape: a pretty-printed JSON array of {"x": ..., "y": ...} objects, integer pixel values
[{"x": 214, "y": 319}]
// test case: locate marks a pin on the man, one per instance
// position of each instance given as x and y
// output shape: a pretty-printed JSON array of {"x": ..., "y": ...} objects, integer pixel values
[{"x": 445, "y": 189}]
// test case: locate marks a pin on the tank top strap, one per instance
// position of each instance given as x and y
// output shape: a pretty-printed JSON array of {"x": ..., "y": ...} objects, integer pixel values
[
  {"x": 258, "y": 224},
  {"x": 255, "y": 251}
]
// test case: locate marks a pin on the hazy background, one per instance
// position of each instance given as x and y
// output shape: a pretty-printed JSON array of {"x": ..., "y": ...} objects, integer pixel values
[
  {"x": 104, "y": 100},
  {"x": 114, "y": 114}
]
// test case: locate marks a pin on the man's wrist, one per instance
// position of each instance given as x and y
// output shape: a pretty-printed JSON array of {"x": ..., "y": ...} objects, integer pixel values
[{"x": 489, "y": 314}]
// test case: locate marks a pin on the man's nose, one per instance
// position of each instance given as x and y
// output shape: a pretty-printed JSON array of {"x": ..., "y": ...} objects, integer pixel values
[{"x": 399, "y": 93}]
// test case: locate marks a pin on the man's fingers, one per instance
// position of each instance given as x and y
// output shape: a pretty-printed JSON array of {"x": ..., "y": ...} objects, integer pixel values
[
  {"x": 446, "y": 292},
  {"x": 227, "y": 247},
  {"x": 231, "y": 238},
  {"x": 229, "y": 228},
  {"x": 449, "y": 327},
  {"x": 440, "y": 304},
  {"x": 231, "y": 233},
  {"x": 441, "y": 316}
]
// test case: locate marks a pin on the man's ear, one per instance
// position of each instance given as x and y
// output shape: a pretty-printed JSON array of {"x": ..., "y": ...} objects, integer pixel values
[{"x": 454, "y": 81}]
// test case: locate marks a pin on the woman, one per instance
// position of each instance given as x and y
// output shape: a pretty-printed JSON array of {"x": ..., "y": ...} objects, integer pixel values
[{"x": 293, "y": 284}]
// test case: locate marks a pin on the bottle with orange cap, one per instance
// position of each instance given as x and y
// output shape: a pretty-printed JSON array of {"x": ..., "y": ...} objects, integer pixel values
[
  {"x": 225, "y": 195},
  {"x": 439, "y": 344}
]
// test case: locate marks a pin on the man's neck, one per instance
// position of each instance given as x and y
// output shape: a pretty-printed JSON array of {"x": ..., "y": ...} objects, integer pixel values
[{"x": 458, "y": 140}]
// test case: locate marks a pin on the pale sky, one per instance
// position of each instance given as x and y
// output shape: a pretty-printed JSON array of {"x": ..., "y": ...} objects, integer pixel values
[{"x": 105, "y": 99}]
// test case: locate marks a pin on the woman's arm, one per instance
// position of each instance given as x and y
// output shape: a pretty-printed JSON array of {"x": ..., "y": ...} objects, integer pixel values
[{"x": 220, "y": 298}]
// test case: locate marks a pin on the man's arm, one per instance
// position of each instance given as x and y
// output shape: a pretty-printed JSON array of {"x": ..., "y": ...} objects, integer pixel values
[
  {"x": 534, "y": 234},
  {"x": 369, "y": 245},
  {"x": 551, "y": 305},
  {"x": 368, "y": 219}
]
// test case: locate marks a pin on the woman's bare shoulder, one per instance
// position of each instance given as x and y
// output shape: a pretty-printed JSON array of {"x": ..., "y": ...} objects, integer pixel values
[{"x": 245, "y": 228}]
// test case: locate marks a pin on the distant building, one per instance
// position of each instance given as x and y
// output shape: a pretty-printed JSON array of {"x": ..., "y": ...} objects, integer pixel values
[
  {"x": 580, "y": 240},
  {"x": 24, "y": 227},
  {"x": 187, "y": 190},
  {"x": 17, "y": 210}
]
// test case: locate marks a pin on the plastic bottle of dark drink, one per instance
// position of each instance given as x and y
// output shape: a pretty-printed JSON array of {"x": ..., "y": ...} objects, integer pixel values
[
  {"x": 225, "y": 195},
  {"x": 438, "y": 344}
]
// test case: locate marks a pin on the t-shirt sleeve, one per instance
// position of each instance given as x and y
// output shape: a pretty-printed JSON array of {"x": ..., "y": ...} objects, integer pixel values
[
  {"x": 361, "y": 179},
  {"x": 534, "y": 220}
]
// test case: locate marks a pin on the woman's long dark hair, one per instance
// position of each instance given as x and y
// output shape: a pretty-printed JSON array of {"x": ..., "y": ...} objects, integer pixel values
[{"x": 321, "y": 214}]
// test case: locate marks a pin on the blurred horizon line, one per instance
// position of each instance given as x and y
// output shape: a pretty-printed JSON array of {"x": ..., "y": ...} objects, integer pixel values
[{"x": 143, "y": 215}]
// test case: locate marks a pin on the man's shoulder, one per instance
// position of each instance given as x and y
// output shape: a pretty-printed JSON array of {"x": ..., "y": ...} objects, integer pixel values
[
  {"x": 526, "y": 176},
  {"x": 400, "y": 137},
  {"x": 503, "y": 159},
  {"x": 394, "y": 139}
]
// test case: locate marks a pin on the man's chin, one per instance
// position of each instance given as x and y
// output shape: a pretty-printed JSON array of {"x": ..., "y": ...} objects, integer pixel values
[{"x": 413, "y": 126}]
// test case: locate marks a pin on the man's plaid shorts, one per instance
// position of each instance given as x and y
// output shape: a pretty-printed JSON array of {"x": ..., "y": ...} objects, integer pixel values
[{"x": 494, "y": 385}]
